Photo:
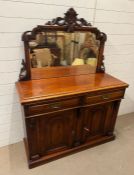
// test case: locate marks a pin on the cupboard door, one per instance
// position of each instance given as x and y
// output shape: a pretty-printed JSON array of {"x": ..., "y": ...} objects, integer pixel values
[
  {"x": 53, "y": 132},
  {"x": 98, "y": 120},
  {"x": 57, "y": 131}
]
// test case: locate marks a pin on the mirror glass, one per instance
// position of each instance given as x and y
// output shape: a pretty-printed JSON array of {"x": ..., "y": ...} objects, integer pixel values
[{"x": 63, "y": 49}]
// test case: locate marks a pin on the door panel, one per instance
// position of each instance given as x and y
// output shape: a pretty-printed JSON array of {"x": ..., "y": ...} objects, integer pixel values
[
  {"x": 97, "y": 120},
  {"x": 55, "y": 132},
  {"x": 111, "y": 117}
]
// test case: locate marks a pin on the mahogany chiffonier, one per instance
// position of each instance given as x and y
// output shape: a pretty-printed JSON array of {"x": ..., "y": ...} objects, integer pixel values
[{"x": 69, "y": 102}]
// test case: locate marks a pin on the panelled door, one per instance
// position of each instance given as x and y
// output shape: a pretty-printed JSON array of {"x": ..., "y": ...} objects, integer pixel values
[
  {"x": 51, "y": 133},
  {"x": 99, "y": 120}
]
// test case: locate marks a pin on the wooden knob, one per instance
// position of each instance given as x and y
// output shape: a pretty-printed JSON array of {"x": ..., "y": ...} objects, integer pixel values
[
  {"x": 86, "y": 129},
  {"x": 55, "y": 105},
  {"x": 105, "y": 97}
]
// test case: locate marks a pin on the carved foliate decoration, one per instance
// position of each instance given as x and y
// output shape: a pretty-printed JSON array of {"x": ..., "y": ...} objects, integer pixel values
[
  {"x": 23, "y": 71},
  {"x": 102, "y": 37},
  {"x": 69, "y": 23},
  {"x": 102, "y": 66},
  {"x": 70, "y": 20}
]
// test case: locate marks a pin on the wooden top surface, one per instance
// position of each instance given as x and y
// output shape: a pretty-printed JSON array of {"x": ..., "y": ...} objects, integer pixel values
[
  {"x": 42, "y": 89},
  {"x": 57, "y": 71}
]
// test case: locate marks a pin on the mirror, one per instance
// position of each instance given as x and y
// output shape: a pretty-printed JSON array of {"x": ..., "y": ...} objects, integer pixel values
[
  {"x": 62, "y": 46},
  {"x": 63, "y": 49}
]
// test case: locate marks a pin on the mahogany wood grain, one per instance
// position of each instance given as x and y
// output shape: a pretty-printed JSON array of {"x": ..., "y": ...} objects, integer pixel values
[
  {"x": 40, "y": 108},
  {"x": 41, "y": 89},
  {"x": 57, "y": 155},
  {"x": 103, "y": 97},
  {"x": 51, "y": 72},
  {"x": 68, "y": 113},
  {"x": 71, "y": 108}
]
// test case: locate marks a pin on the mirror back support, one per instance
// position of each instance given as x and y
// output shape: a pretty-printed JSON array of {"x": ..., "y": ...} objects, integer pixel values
[{"x": 62, "y": 42}]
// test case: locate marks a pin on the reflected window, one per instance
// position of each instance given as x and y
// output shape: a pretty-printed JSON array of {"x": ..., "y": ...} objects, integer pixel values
[{"x": 63, "y": 49}]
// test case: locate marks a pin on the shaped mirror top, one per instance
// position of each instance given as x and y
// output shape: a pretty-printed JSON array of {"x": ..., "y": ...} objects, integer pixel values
[{"x": 64, "y": 44}]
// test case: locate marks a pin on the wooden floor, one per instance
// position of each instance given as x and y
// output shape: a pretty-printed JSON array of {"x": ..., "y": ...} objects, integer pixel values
[{"x": 113, "y": 158}]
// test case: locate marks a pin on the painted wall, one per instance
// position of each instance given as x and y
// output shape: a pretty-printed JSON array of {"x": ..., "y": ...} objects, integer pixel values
[{"x": 116, "y": 18}]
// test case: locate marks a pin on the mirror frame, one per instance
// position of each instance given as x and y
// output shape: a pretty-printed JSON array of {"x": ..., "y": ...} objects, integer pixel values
[{"x": 69, "y": 23}]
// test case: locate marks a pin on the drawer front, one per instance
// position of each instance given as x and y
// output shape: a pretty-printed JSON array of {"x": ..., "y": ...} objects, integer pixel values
[
  {"x": 35, "y": 109},
  {"x": 104, "y": 97}
]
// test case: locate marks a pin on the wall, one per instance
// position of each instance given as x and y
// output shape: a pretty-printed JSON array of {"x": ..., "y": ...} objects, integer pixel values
[{"x": 116, "y": 18}]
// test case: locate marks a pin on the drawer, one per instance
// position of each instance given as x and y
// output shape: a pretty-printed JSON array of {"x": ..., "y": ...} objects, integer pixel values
[
  {"x": 35, "y": 109},
  {"x": 104, "y": 97}
]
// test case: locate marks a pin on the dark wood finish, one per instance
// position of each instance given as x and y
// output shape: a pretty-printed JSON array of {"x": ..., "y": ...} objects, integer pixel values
[
  {"x": 57, "y": 155},
  {"x": 70, "y": 20},
  {"x": 98, "y": 120},
  {"x": 67, "y": 109},
  {"x": 101, "y": 98},
  {"x": 67, "y": 114},
  {"x": 50, "y": 133},
  {"x": 43, "y": 107},
  {"x": 70, "y": 23}
]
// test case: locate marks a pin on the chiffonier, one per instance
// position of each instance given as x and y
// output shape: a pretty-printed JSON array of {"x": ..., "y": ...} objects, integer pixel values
[{"x": 68, "y": 101}]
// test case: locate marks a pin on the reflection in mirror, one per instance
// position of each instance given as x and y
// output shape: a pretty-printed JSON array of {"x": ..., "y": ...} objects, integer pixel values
[{"x": 64, "y": 49}]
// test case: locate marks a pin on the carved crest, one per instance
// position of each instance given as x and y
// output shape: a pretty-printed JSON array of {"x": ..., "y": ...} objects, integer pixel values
[
  {"x": 70, "y": 20},
  {"x": 69, "y": 23}
]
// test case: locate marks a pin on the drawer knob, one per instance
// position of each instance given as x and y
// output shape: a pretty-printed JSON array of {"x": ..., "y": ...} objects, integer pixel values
[
  {"x": 105, "y": 97},
  {"x": 86, "y": 129},
  {"x": 55, "y": 105}
]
